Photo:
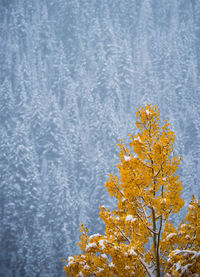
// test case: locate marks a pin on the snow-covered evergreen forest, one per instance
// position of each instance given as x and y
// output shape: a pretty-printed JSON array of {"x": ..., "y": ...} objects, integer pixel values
[{"x": 72, "y": 75}]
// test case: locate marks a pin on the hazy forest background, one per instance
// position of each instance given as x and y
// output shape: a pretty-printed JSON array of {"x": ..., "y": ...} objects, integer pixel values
[{"x": 72, "y": 75}]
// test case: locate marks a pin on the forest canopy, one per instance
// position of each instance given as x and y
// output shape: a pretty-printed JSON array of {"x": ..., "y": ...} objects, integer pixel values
[{"x": 140, "y": 239}]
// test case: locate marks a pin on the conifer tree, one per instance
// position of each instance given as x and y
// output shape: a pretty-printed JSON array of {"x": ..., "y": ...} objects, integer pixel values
[{"x": 139, "y": 237}]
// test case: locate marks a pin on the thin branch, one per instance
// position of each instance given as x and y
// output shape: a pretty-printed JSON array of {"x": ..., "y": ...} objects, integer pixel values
[
  {"x": 123, "y": 234},
  {"x": 151, "y": 230},
  {"x": 148, "y": 270}
]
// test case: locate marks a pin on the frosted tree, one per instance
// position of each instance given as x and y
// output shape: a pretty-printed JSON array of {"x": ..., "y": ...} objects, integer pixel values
[{"x": 140, "y": 239}]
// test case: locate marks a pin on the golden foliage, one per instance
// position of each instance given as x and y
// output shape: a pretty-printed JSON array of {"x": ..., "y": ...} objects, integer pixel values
[
  {"x": 139, "y": 239},
  {"x": 184, "y": 249}
]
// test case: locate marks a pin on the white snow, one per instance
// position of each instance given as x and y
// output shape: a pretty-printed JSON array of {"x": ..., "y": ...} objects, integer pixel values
[
  {"x": 101, "y": 243},
  {"x": 183, "y": 225},
  {"x": 191, "y": 207},
  {"x": 127, "y": 158},
  {"x": 170, "y": 236},
  {"x": 138, "y": 139},
  {"x": 86, "y": 267},
  {"x": 130, "y": 218},
  {"x": 57, "y": 101},
  {"x": 90, "y": 245},
  {"x": 178, "y": 265},
  {"x": 104, "y": 256},
  {"x": 189, "y": 252},
  {"x": 70, "y": 260},
  {"x": 94, "y": 236},
  {"x": 100, "y": 269},
  {"x": 147, "y": 112},
  {"x": 132, "y": 252},
  {"x": 111, "y": 264}
]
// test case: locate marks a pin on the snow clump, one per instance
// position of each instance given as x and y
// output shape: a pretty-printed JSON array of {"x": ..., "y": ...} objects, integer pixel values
[
  {"x": 127, "y": 158},
  {"x": 70, "y": 260},
  {"x": 130, "y": 218},
  {"x": 90, "y": 245}
]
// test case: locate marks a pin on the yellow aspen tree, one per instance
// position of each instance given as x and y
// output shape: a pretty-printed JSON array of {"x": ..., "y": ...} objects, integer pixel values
[
  {"x": 148, "y": 191},
  {"x": 183, "y": 246}
]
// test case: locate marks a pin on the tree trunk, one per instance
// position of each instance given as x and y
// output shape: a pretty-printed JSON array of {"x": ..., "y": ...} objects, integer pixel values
[{"x": 156, "y": 245}]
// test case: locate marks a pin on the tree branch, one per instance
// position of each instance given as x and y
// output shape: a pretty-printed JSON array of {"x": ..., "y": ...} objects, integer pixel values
[{"x": 148, "y": 270}]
